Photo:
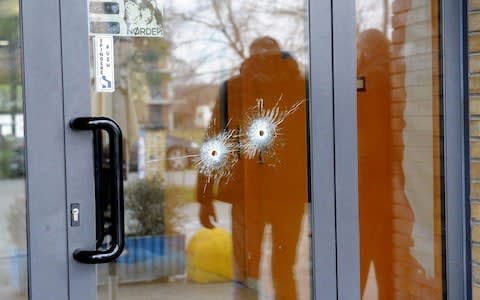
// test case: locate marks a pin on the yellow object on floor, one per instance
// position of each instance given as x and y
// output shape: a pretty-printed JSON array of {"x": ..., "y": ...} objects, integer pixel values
[{"x": 209, "y": 256}]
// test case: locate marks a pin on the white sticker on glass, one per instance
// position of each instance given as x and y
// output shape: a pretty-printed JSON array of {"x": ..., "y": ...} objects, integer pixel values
[
  {"x": 104, "y": 64},
  {"x": 142, "y": 18}
]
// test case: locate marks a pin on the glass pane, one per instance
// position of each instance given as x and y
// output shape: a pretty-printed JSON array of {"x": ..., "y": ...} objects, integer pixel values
[
  {"x": 13, "y": 249},
  {"x": 399, "y": 149},
  {"x": 211, "y": 97}
]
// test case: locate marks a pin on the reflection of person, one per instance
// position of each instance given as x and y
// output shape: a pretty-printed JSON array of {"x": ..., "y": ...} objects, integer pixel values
[
  {"x": 382, "y": 198},
  {"x": 267, "y": 191},
  {"x": 142, "y": 13},
  {"x": 375, "y": 160}
]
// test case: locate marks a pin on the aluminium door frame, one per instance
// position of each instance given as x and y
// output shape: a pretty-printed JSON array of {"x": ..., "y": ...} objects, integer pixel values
[
  {"x": 455, "y": 189},
  {"x": 56, "y": 86},
  {"x": 456, "y": 149},
  {"x": 345, "y": 141},
  {"x": 45, "y": 156},
  {"x": 321, "y": 151}
]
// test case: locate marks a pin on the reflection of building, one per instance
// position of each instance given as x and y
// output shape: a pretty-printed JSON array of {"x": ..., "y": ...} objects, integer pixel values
[
  {"x": 172, "y": 119},
  {"x": 164, "y": 103},
  {"x": 154, "y": 71},
  {"x": 193, "y": 105}
]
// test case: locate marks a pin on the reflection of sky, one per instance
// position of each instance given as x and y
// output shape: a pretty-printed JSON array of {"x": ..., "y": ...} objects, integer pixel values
[
  {"x": 207, "y": 52},
  {"x": 370, "y": 14}
]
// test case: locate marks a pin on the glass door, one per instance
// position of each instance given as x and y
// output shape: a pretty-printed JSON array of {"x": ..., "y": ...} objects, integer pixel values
[
  {"x": 399, "y": 140},
  {"x": 408, "y": 97},
  {"x": 212, "y": 99}
]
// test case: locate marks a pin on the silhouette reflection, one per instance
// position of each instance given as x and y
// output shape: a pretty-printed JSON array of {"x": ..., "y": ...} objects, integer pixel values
[
  {"x": 272, "y": 188},
  {"x": 386, "y": 215}
]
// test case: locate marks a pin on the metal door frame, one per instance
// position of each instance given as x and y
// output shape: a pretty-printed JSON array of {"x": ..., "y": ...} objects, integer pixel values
[
  {"x": 56, "y": 83},
  {"x": 322, "y": 157},
  {"x": 456, "y": 150},
  {"x": 457, "y": 273},
  {"x": 346, "y": 165},
  {"x": 45, "y": 155}
]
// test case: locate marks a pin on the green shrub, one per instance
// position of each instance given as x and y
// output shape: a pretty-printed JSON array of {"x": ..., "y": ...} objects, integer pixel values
[
  {"x": 145, "y": 201},
  {"x": 154, "y": 207}
]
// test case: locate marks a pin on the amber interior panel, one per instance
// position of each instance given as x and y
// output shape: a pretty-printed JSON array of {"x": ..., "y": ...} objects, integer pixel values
[{"x": 399, "y": 138}]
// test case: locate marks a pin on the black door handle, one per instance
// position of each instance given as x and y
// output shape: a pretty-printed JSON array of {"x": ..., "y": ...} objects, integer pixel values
[
  {"x": 99, "y": 195},
  {"x": 96, "y": 124},
  {"x": 102, "y": 189}
]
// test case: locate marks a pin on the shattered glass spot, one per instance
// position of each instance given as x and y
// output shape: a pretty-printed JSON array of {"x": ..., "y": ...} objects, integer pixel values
[
  {"x": 263, "y": 128},
  {"x": 218, "y": 155},
  {"x": 260, "y": 134}
]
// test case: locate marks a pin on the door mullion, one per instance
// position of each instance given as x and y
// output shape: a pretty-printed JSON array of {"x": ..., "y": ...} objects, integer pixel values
[
  {"x": 345, "y": 128},
  {"x": 322, "y": 151}
]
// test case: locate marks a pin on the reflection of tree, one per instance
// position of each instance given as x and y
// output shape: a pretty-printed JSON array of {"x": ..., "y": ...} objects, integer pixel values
[
  {"x": 218, "y": 16},
  {"x": 224, "y": 22},
  {"x": 217, "y": 33},
  {"x": 205, "y": 42}
]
